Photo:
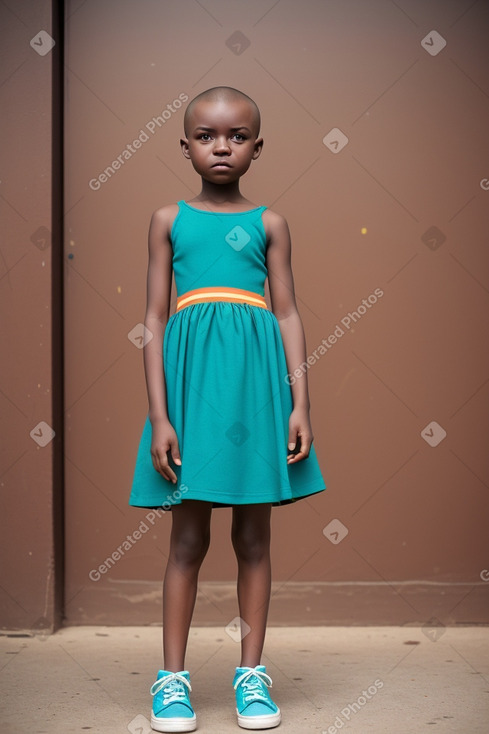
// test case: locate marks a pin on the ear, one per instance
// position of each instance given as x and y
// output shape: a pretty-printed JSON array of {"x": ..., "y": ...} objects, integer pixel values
[
  {"x": 257, "y": 149},
  {"x": 185, "y": 147}
]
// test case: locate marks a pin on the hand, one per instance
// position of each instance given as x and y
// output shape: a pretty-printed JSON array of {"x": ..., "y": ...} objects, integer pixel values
[
  {"x": 300, "y": 435},
  {"x": 164, "y": 441}
]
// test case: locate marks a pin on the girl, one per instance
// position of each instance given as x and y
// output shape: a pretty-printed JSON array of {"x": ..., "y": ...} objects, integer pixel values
[{"x": 226, "y": 396}]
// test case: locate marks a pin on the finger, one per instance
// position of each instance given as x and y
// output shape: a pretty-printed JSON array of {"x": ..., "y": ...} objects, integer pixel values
[
  {"x": 294, "y": 444},
  {"x": 162, "y": 466},
  {"x": 175, "y": 453},
  {"x": 294, "y": 458},
  {"x": 167, "y": 472},
  {"x": 292, "y": 441},
  {"x": 303, "y": 452},
  {"x": 306, "y": 446}
]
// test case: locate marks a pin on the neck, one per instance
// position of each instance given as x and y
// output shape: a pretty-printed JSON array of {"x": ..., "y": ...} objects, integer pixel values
[{"x": 221, "y": 193}]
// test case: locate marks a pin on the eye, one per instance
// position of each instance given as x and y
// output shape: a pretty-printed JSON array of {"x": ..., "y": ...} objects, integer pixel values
[
  {"x": 239, "y": 137},
  {"x": 204, "y": 136}
]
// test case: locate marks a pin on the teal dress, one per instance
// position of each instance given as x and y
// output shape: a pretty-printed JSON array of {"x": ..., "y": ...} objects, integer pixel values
[{"x": 228, "y": 394}]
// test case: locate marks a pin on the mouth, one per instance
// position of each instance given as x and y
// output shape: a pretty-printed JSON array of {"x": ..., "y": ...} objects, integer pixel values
[{"x": 221, "y": 164}]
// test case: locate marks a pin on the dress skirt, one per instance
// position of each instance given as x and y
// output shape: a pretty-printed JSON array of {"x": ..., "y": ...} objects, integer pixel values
[{"x": 229, "y": 400}]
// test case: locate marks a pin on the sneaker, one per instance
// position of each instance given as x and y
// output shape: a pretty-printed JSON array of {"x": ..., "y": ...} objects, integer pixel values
[
  {"x": 172, "y": 710},
  {"x": 254, "y": 707}
]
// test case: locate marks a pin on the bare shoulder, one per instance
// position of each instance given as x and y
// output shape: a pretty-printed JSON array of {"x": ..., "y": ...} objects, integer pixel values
[
  {"x": 275, "y": 224},
  {"x": 162, "y": 218}
]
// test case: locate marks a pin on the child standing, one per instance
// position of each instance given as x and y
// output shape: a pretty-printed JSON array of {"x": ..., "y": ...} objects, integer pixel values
[{"x": 223, "y": 406}]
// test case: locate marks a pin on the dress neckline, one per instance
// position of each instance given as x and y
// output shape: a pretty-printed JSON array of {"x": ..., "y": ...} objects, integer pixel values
[{"x": 234, "y": 214}]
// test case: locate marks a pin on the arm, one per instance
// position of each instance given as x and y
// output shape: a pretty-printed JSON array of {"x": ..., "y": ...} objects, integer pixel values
[
  {"x": 164, "y": 438},
  {"x": 282, "y": 295}
]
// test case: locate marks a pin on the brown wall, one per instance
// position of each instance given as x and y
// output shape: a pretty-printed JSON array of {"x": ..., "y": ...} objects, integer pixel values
[
  {"x": 31, "y": 490},
  {"x": 416, "y": 514}
]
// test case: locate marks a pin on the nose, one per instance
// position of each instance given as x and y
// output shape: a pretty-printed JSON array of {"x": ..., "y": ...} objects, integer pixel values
[{"x": 221, "y": 145}]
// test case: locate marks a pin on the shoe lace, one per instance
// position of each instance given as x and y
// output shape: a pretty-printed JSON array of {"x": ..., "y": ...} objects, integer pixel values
[
  {"x": 172, "y": 686},
  {"x": 252, "y": 681}
]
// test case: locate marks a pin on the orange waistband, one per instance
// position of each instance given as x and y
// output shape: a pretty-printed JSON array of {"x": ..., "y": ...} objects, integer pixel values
[{"x": 220, "y": 293}]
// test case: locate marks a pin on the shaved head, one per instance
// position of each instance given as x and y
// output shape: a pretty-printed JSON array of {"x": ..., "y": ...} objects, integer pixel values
[{"x": 222, "y": 94}]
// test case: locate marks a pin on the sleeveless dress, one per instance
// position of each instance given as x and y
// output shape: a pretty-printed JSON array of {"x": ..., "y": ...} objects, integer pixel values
[{"x": 228, "y": 394}]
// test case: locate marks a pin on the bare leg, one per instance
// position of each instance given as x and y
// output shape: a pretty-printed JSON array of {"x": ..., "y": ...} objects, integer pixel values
[
  {"x": 251, "y": 541},
  {"x": 189, "y": 542}
]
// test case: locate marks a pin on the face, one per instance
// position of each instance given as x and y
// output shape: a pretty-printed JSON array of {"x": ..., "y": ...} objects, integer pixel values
[{"x": 221, "y": 140}]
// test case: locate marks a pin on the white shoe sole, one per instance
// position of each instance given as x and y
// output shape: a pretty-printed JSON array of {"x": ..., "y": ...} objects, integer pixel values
[
  {"x": 175, "y": 724},
  {"x": 259, "y": 722}
]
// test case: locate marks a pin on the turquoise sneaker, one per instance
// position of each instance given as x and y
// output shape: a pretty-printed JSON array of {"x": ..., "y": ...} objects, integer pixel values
[
  {"x": 172, "y": 710},
  {"x": 254, "y": 707}
]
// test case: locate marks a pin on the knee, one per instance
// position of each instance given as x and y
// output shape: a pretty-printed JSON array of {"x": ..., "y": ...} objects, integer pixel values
[
  {"x": 250, "y": 546},
  {"x": 189, "y": 549}
]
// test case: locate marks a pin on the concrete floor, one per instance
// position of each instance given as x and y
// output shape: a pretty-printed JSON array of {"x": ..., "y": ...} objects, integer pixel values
[{"x": 405, "y": 680}]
